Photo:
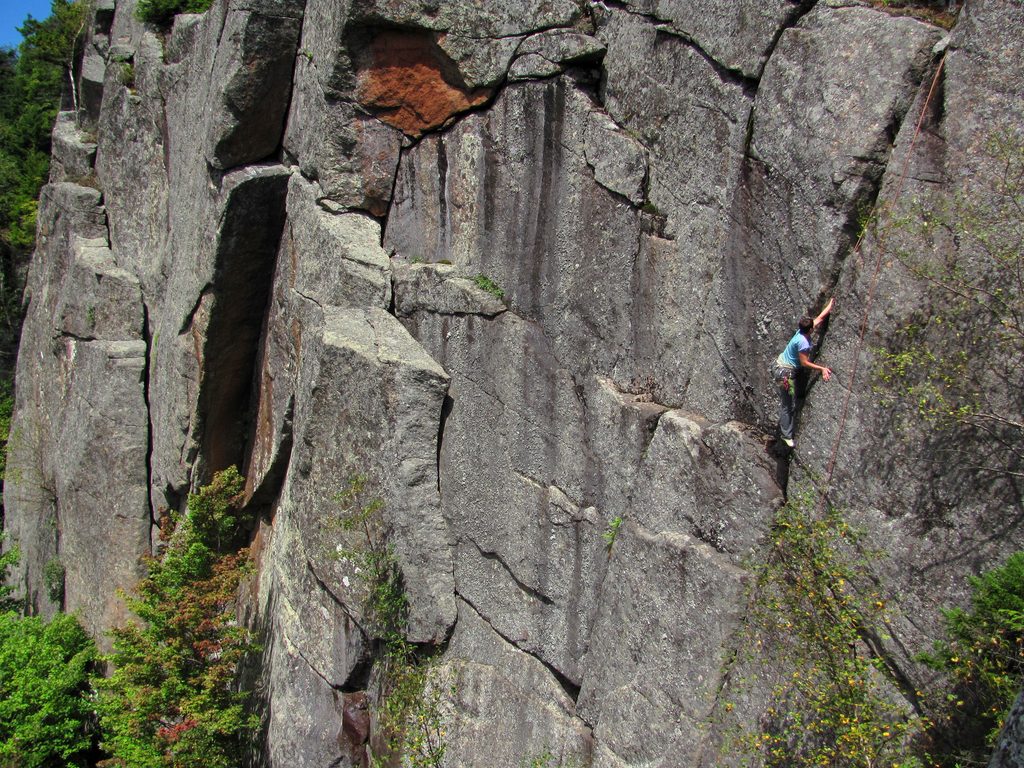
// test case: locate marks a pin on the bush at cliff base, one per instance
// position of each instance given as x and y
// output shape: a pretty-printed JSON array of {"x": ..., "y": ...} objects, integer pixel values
[
  {"x": 983, "y": 657},
  {"x": 44, "y": 710},
  {"x": 171, "y": 699}
]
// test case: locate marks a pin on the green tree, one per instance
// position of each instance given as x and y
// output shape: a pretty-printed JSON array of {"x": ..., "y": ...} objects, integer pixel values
[
  {"x": 171, "y": 699},
  {"x": 45, "y": 712}
]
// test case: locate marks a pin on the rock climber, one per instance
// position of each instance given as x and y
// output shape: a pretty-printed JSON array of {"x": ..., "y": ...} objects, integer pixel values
[{"x": 796, "y": 357}]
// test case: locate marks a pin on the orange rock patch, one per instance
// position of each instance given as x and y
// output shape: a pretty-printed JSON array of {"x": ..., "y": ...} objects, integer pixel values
[{"x": 412, "y": 85}]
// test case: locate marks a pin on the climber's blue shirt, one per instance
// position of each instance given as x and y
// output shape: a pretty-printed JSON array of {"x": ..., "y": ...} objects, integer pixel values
[{"x": 790, "y": 356}]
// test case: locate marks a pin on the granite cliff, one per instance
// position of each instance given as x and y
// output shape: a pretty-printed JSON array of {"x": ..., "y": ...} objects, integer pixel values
[{"x": 258, "y": 247}]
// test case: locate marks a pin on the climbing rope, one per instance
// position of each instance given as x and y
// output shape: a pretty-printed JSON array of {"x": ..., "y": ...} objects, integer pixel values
[{"x": 886, "y": 211}]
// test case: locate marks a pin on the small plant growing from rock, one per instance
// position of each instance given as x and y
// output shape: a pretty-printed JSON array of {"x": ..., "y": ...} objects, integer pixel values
[
  {"x": 484, "y": 282},
  {"x": 126, "y": 75},
  {"x": 983, "y": 657},
  {"x": 611, "y": 532},
  {"x": 548, "y": 759},
  {"x": 408, "y": 710},
  {"x": 53, "y": 579}
]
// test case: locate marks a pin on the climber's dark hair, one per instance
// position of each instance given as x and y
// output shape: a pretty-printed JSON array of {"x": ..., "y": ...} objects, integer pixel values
[{"x": 805, "y": 325}]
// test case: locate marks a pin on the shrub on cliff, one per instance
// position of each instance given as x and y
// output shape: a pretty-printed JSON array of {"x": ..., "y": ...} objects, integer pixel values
[
  {"x": 172, "y": 700},
  {"x": 815, "y": 625},
  {"x": 162, "y": 12},
  {"x": 957, "y": 365},
  {"x": 45, "y": 711},
  {"x": 45, "y": 714},
  {"x": 983, "y": 656}
]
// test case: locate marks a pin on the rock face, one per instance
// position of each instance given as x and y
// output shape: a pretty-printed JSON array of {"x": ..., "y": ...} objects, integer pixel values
[{"x": 524, "y": 266}]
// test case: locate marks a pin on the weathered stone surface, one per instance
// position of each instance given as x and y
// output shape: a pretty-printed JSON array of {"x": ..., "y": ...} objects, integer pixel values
[
  {"x": 667, "y": 610},
  {"x": 342, "y": 263},
  {"x": 815, "y": 171},
  {"x": 73, "y": 153},
  {"x": 658, "y": 186},
  {"x": 737, "y": 35},
  {"x": 509, "y": 194},
  {"x": 498, "y": 688},
  {"x": 353, "y": 156},
  {"x": 619, "y": 161},
  {"x": 103, "y": 434},
  {"x": 92, "y": 72},
  {"x": 324, "y": 259},
  {"x": 562, "y": 46},
  {"x": 710, "y": 482},
  {"x": 407, "y": 81},
  {"x": 519, "y": 58},
  {"x": 929, "y": 508},
  {"x": 1009, "y": 751},
  {"x": 99, "y": 300},
  {"x": 832, "y": 155},
  {"x": 441, "y": 289},
  {"x": 391, "y": 435},
  {"x": 303, "y": 712},
  {"x": 208, "y": 328},
  {"x": 367, "y": 401},
  {"x": 253, "y": 67},
  {"x": 77, "y": 478},
  {"x": 689, "y": 118},
  {"x": 129, "y": 135},
  {"x": 504, "y": 18}
]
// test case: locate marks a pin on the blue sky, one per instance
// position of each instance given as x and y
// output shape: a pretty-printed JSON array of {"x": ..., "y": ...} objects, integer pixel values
[{"x": 12, "y": 15}]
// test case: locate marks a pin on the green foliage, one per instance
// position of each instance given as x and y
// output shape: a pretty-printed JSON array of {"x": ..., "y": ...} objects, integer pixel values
[
  {"x": 171, "y": 700},
  {"x": 484, "y": 282},
  {"x": 161, "y": 13},
  {"x": 53, "y": 580},
  {"x": 408, "y": 711},
  {"x": 126, "y": 75},
  {"x": 31, "y": 81},
  {"x": 6, "y": 412},
  {"x": 983, "y": 655},
  {"x": 611, "y": 532},
  {"x": 548, "y": 759},
  {"x": 934, "y": 11},
  {"x": 45, "y": 714},
  {"x": 959, "y": 364},
  {"x": 8, "y": 559},
  {"x": 814, "y": 621}
]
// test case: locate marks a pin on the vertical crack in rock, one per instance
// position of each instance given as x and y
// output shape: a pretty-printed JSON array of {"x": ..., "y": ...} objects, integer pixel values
[
  {"x": 252, "y": 71},
  {"x": 147, "y": 369},
  {"x": 794, "y": 17},
  {"x": 446, "y": 410},
  {"x": 865, "y": 198},
  {"x": 251, "y": 229}
]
